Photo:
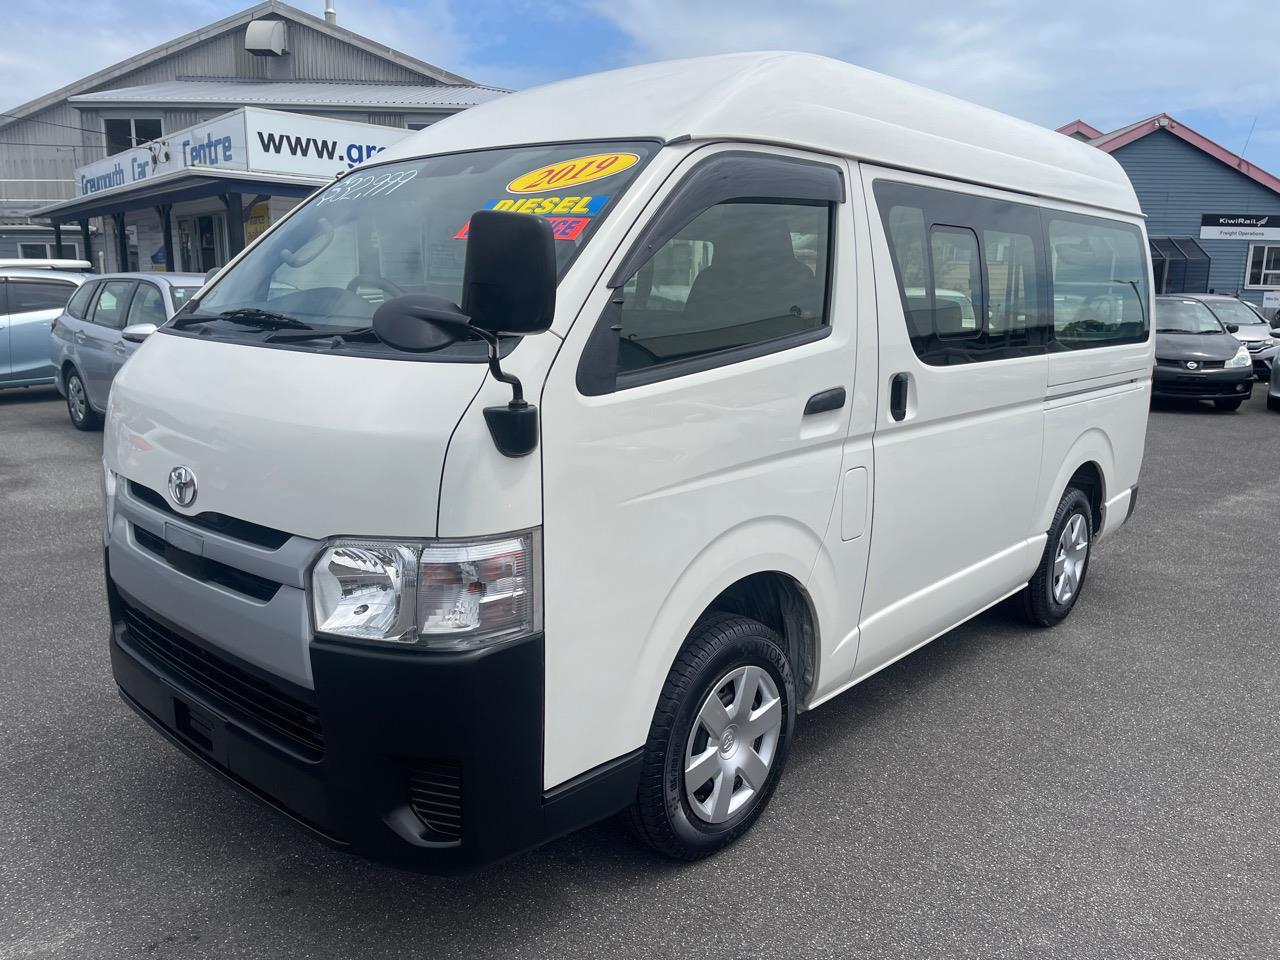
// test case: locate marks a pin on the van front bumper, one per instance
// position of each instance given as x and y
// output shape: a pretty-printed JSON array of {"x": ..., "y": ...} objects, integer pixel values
[
  {"x": 1176, "y": 382},
  {"x": 429, "y": 761}
]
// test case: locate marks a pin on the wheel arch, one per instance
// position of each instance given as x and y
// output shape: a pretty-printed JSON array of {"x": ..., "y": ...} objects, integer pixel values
[
  {"x": 1088, "y": 464},
  {"x": 733, "y": 574}
]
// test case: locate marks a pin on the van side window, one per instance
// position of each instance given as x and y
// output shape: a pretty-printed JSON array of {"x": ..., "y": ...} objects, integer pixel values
[
  {"x": 28, "y": 296},
  {"x": 1099, "y": 283},
  {"x": 957, "y": 281},
  {"x": 970, "y": 273},
  {"x": 1013, "y": 290},
  {"x": 79, "y": 301},
  {"x": 739, "y": 274}
]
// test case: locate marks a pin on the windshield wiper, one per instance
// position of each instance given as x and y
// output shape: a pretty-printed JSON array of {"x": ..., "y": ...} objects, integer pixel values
[
  {"x": 249, "y": 316},
  {"x": 337, "y": 333}
]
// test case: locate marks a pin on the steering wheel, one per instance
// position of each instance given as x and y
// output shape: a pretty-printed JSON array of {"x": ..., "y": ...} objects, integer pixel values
[{"x": 370, "y": 280}]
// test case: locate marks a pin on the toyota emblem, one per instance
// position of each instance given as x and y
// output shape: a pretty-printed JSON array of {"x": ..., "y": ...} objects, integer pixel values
[{"x": 182, "y": 486}]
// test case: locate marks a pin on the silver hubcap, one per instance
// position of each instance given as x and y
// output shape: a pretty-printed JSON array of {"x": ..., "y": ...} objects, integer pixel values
[
  {"x": 75, "y": 393},
  {"x": 1068, "y": 565},
  {"x": 732, "y": 744}
]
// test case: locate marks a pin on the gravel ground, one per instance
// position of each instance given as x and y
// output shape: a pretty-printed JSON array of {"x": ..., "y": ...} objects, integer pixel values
[{"x": 1110, "y": 788}]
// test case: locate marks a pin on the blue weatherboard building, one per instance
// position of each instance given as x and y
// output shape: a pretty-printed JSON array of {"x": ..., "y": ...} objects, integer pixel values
[{"x": 1213, "y": 217}]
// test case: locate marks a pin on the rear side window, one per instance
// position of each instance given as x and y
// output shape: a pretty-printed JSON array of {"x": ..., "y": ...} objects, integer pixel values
[
  {"x": 969, "y": 273},
  {"x": 147, "y": 306},
  {"x": 739, "y": 274},
  {"x": 1099, "y": 282},
  {"x": 78, "y": 305},
  {"x": 26, "y": 296},
  {"x": 112, "y": 303}
]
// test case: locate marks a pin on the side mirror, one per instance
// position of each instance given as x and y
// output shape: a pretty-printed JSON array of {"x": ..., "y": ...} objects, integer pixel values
[
  {"x": 419, "y": 323},
  {"x": 509, "y": 279},
  {"x": 137, "y": 332},
  {"x": 1233, "y": 328},
  {"x": 508, "y": 288},
  {"x": 210, "y": 274}
]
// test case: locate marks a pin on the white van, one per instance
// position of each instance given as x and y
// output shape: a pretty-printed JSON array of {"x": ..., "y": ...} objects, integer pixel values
[{"x": 551, "y": 465}]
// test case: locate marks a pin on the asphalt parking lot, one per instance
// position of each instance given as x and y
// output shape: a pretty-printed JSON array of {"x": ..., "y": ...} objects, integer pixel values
[{"x": 1110, "y": 788}]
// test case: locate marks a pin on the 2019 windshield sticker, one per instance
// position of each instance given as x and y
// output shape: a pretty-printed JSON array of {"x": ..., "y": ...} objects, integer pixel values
[
  {"x": 571, "y": 173},
  {"x": 361, "y": 186}
]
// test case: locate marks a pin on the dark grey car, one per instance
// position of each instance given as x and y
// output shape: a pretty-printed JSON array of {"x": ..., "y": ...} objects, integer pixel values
[
  {"x": 1197, "y": 358},
  {"x": 87, "y": 343}
]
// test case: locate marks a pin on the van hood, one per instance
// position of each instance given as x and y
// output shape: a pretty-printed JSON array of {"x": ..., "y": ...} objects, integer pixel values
[
  {"x": 1196, "y": 346},
  {"x": 315, "y": 444}
]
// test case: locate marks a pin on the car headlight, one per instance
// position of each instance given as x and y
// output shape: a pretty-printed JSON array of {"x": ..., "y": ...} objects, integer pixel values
[
  {"x": 441, "y": 594},
  {"x": 1241, "y": 359}
]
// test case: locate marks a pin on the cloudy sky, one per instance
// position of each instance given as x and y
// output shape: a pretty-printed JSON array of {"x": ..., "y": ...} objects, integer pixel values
[{"x": 1214, "y": 64}]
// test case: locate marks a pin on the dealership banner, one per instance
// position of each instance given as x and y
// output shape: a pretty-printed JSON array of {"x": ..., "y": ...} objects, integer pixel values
[
  {"x": 249, "y": 139},
  {"x": 1239, "y": 226}
]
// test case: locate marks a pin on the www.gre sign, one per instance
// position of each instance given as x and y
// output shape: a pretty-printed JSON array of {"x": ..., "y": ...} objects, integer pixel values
[{"x": 249, "y": 139}]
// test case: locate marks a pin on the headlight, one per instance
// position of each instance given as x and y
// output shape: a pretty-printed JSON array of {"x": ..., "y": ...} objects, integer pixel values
[
  {"x": 1241, "y": 359},
  {"x": 444, "y": 594}
]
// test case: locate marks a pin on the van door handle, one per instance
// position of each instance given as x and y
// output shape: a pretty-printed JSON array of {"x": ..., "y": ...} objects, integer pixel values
[
  {"x": 832, "y": 399},
  {"x": 898, "y": 388}
]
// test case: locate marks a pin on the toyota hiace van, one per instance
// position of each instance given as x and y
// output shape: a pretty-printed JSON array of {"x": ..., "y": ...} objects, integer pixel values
[{"x": 552, "y": 464}]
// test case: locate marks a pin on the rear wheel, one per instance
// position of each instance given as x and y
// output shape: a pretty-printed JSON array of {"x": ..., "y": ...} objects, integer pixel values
[
  {"x": 83, "y": 416},
  {"x": 1053, "y": 591},
  {"x": 1232, "y": 404},
  {"x": 719, "y": 739}
]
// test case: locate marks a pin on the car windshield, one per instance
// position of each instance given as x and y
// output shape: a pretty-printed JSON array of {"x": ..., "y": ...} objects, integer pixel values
[
  {"x": 399, "y": 229},
  {"x": 1233, "y": 311},
  {"x": 182, "y": 294},
  {"x": 1184, "y": 316}
]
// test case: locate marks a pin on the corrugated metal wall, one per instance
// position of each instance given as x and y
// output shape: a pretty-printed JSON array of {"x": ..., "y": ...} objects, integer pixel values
[{"x": 1176, "y": 183}]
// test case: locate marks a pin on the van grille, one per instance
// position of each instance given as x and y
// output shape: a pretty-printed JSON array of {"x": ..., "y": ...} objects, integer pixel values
[
  {"x": 255, "y": 533},
  {"x": 291, "y": 716},
  {"x": 208, "y": 571},
  {"x": 435, "y": 795}
]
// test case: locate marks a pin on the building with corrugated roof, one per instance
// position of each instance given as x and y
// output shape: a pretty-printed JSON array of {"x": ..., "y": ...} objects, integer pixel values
[
  {"x": 155, "y": 162},
  {"x": 1213, "y": 218}
]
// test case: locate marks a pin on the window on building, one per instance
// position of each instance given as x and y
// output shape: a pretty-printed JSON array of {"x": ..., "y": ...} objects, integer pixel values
[
  {"x": 125, "y": 133},
  {"x": 26, "y": 296},
  {"x": 739, "y": 274},
  {"x": 1099, "y": 283},
  {"x": 1264, "y": 265},
  {"x": 38, "y": 250}
]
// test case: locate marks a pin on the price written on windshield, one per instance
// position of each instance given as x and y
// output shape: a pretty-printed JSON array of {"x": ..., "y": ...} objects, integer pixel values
[{"x": 362, "y": 186}]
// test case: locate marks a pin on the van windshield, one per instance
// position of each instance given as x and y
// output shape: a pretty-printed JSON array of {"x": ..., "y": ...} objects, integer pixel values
[{"x": 401, "y": 228}]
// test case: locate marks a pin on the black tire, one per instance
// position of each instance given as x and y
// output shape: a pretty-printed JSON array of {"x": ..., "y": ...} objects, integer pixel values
[
  {"x": 1228, "y": 405},
  {"x": 1040, "y": 606},
  {"x": 1273, "y": 403},
  {"x": 82, "y": 414},
  {"x": 662, "y": 816}
]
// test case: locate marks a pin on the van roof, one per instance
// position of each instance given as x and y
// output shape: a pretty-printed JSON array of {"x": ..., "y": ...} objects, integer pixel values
[{"x": 793, "y": 99}]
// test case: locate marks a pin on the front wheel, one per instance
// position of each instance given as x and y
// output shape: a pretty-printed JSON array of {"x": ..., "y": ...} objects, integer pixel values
[
  {"x": 1056, "y": 586},
  {"x": 83, "y": 416},
  {"x": 1273, "y": 403},
  {"x": 718, "y": 741},
  {"x": 1228, "y": 405}
]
